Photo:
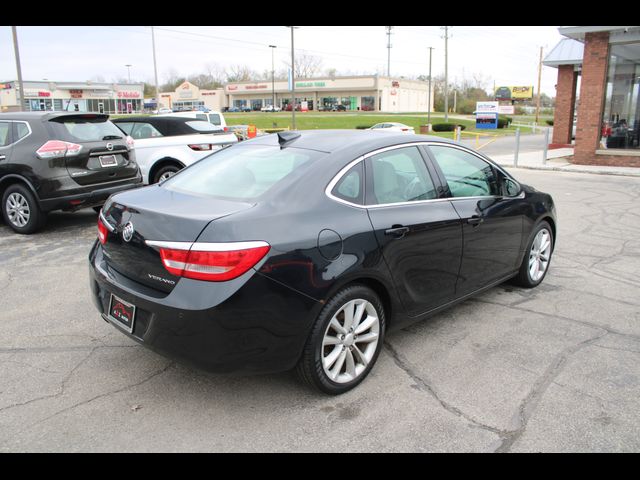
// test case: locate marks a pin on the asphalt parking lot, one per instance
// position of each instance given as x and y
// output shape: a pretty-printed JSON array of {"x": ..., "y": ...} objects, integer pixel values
[{"x": 553, "y": 369}]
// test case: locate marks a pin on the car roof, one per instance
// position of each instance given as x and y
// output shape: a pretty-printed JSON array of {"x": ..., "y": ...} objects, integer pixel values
[
  {"x": 350, "y": 142},
  {"x": 155, "y": 120},
  {"x": 48, "y": 115}
]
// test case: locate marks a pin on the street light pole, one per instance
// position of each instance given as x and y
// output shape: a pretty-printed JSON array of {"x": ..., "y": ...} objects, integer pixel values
[
  {"x": 18, "y": 68},
  {"x": 429, "y": 100},
  {"x": 273, "y": 78},
  {"x": 129, "y": 71},
  {"x": 155, "y": 68},
  {"x": 293, "y": 82}
]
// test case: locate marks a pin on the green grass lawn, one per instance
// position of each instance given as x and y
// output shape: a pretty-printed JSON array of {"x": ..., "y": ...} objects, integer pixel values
[{"x": 347, "y": 120}]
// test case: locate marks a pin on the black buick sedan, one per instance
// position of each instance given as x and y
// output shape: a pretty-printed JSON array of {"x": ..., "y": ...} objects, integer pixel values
[{"x": 301, "y": 249}]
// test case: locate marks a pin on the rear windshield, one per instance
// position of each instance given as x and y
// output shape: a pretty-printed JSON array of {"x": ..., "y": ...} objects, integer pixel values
[
  {"x": 85, "y": 129},
  {"x": 242, "y": 172}
]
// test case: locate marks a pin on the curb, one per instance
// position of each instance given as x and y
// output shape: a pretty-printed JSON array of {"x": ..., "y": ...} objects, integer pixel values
[{"x": 575, "y": 170}]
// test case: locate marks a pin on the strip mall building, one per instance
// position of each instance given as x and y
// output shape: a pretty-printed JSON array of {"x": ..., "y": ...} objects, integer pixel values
[
  {"x": 363, "y": 93},
  {"x": 608, "y": 115},
  {"x": 108, "y": 98}
]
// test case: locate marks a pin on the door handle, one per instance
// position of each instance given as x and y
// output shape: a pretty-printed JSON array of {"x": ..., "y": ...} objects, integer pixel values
[
  {"x": 2, "y": 157},
  {"x": 397, "y": 231},
  {"x": 475, "y": 220}
]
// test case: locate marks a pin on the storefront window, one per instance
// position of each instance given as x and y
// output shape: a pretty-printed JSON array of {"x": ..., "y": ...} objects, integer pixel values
[
  {"x": 367, "y": 104},
  {"x": 621, "y": 119}
]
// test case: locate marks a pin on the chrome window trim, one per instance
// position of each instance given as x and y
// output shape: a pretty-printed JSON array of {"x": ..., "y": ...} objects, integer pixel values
[
  {"x": 362, "y": 158},
  {"x": 110, "y": 227},
  {"x": 207, "y": 246}
]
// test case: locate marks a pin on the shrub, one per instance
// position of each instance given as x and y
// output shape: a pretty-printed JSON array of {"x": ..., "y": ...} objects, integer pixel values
[
  {"x": 363, "y": 127},
  {"x": 504, "y": 122},
  {"x": 550, "y": 122},
  {"x": 446, "y": 127}
]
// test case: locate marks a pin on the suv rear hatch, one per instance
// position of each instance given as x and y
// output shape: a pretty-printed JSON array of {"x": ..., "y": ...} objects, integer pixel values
[
  {"x": 156, "y": 214},
  {"x": 103, "y": 154}
]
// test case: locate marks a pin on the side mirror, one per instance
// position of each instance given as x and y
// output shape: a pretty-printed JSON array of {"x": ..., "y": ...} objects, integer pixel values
[{"x": 511, "y": 188}]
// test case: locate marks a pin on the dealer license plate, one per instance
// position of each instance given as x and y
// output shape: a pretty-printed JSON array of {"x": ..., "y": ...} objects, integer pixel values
[
  {"x": 122, "y": 313},
  {"x": 108, "y": 161}
]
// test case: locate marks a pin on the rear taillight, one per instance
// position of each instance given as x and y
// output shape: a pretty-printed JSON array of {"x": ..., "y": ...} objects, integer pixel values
[
  {"x": 130, "y": 142},
  {"x": 103, "y": 231},
  {"x": 199, "y": 147},
  {"x": 58, "y": 148},
  {"x": 213, "y": 262}
]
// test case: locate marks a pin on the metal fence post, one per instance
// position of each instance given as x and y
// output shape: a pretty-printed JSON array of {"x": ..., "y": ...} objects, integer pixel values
[
  {"x": 515, "y": 157},
  {"x": 546, "y": 146},
  {"x": 458, "y": 134}
]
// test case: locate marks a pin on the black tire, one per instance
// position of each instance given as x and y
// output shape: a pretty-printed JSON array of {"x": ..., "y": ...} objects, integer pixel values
[
  {"x": 310, "y": 366},
  {"x": 36, "y": 217},
  {"x": 173, "y": 168},
  {"x": 97, "y": 209},
  {"x": 523, "y": 278}
]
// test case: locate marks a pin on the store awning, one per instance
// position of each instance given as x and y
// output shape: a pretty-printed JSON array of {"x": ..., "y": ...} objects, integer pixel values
[{"x": 566, "y": 52}]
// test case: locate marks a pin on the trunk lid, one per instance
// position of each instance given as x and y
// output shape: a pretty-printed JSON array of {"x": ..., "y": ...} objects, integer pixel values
[{"x": 157, "y": 214}]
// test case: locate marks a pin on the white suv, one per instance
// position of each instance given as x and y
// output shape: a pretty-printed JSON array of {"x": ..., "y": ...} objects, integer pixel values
[
  {"x": 164, "y": 145},
  {"x": 212, "y": 117}
]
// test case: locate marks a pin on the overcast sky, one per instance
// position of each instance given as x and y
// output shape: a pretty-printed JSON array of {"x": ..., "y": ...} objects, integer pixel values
[{"x": 507, "y": 55}]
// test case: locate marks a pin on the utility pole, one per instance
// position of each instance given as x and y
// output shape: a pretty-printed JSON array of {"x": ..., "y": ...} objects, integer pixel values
[
  {"x": 20, "y": 97},
  {"x": 539, "y": 78},
  {"x": 429, "y": 94},
  {"x": 293, "y": 82},
  {"x": 455, "y": 100},
  {"x": 273, "y": 78},
  {"x": 389, "y": 50},
  {"x": 446, "y": 73},
  {"x": 155, "y": 68},
  {"x": 129, "y": 71}
]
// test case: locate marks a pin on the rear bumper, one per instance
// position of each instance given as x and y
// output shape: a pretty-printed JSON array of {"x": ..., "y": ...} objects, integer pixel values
[
  {"x": 88, "y": 196},
  {"x": 251, "y": 324}
]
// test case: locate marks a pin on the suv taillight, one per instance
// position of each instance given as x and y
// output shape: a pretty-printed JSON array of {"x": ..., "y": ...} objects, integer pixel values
[
  {"x": 58, "y": 148},
  {"x": 130, "y": 142},
  {"x": 213, "y": 262}
]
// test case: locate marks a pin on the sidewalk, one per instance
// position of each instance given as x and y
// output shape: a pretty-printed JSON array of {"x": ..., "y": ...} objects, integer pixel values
[{"x": 556, "y": 161}]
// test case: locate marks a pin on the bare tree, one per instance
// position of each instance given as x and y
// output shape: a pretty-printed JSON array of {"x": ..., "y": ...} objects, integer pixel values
[
  {"x": 216, "y": 73},
  {"x": 240, "y": 73},
  {"x": 307, "y": 65}
]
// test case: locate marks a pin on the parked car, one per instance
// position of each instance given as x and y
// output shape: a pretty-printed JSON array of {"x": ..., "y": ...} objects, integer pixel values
[
  {"x": 163, "y": 111},
  {"x": 393, "y": 127},
  {"x": 232, "y": 109},
  {"x": 246, "y": 109},
  {"x": 216, "y": 118},
  {"x": 301, "y": 249},
  {"x": 287, "y": 107},
  {"x": 60, "y": 161},
  {"x": 270, "y": 108},
  {"x": 165, "y": 145},
  {"x": 338, "y": 108}
]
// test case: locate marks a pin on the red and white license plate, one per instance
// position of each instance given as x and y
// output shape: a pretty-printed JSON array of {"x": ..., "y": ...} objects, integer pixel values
[
  {"x": 122, "y": 313},
  {"x": 108, "y": 161}
]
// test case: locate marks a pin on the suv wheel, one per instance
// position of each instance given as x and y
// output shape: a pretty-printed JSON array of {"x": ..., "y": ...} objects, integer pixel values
[
  {"x": 165, "y": 172},
  {"x": 21, "y": 211}
]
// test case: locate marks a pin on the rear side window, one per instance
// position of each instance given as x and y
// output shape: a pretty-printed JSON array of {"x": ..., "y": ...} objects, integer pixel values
[
  {"x": 84, "y": 129},
  {"x": 21, "y": 130},
  {"x": 242, "y": 172},
  {"x": 397, "y": 176},
  {"x": 202, "y": 116},
  {"x": 144, "y": 130},
  {"x": 214, "y": 118},
  {"x": 203, "y": 127},
  {"x": 5, "y": 134}
]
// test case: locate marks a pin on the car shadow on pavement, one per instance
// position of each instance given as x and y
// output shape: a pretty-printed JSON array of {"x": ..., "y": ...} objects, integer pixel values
[{"x": 59, "y": 221}]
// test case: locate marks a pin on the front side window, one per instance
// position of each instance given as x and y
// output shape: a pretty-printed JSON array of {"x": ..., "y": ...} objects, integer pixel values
[
  {"x": 621, "y": 119},
  {"x": 398, "y": 175},
  {"x": 466, "y": 174}
]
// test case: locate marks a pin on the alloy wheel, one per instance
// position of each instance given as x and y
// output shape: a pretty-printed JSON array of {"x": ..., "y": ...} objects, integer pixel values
[
  {"x": 350, "y": 341},
  {"x": 539, "y": 255},
  {"x": 18, "y": 210}
]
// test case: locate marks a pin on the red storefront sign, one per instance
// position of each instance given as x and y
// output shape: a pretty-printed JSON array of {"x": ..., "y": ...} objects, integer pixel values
[
  {"x": 128, "y": 94},
  {"x": 75, "y": 93}
]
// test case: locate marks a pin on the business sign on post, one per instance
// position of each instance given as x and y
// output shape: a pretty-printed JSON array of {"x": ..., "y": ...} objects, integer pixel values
[{"x": 487, "y": 115}]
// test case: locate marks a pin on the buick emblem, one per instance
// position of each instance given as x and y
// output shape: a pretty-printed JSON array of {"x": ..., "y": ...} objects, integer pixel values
[
  {"x": 127, "y": 232},
  {"x": 109, "y": 146}
]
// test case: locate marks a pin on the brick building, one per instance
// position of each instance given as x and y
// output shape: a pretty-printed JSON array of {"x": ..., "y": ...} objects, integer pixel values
[{"x": 608, "y": 116}]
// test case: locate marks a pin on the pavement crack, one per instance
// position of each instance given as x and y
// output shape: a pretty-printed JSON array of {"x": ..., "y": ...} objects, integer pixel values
[
  {"x": 530, "y": 402},
  {"x": 425, "y": 386}
]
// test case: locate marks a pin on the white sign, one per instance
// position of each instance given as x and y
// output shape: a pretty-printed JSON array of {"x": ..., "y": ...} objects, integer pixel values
[
  {"x": 487, "y": 107},
  {"x": 506, "y": 109}
]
